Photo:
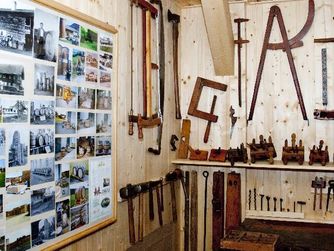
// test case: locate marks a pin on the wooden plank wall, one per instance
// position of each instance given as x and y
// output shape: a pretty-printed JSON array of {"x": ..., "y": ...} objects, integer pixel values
[
  {"x": 277, "y": 110},
  {"x": 135, "y": 165}
]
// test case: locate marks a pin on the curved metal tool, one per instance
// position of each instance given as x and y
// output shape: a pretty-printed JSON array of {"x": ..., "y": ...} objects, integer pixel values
[{"x": 206, "y": 176}]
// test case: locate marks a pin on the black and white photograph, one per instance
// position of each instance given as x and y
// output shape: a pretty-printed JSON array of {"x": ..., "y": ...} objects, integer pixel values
[
  {"x": 65, "y": 122},
  {"x": 103, "y": 145},
  {"x": 19, "y": 239},
  {"x": 66, "y": 96},
  {"x": 17, "y": 182},
  {"x": 103, "y": 123},
  {"x": 106, "y": 43},
  {"x": 42, "y": 112},
  {"x": 78, "y": 63},
  {"x": 88, "y": 38},
  {"x": 42, "y": 171},
  {"x": 65, "y": 148},
  {"x": 62, "y": 178},
  {"x": 18, "y": 146},
  {"x": 46, "y": 34},
  {"x": 14, "y": 111},
  {"x": 85, "y": 147},
  {"x": 69, "y": 31},
  {"x": 2, "y": 141},
  {"x": 105, "y": 61},
  {"x": 17, "y": 208},
  {"x": 79, "y": 216},
  {"x": 91, "y": 75},
  {"x": 42, "y": 200},
  {"x": 2, "y": 241},
  {"x": 44, "y": 80},
  {"x": 42, "y": 231},
  {"x": 79, "y": 172},
  {"x": 11, "y": 79},
  {"x": 64, "y": 70},
  {"x": 92, "y": 60},
  {"x": 86, "y": 123},
  {"x": 103, "y": 101},
  {"x": 21, "y": 16},
  {"x": 86, "y": 98},
  {"x": 2, "y": 173},
  {"x": 62, "y": 217},
  {"x": 105, "y": 79},
  {"x": 41, "y": 141}
]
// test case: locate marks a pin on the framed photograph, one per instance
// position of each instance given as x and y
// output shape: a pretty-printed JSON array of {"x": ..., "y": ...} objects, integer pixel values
[
  {"x": 86, "y": 123},
  {"x": 2, "y": 141},
  {"x": 14, "y": 111},
  {"x": 17, "y": 182},
  {"x": 42, "y": 231},
  {"x": 62, "y": 178},
  {"x": 19, "y": 239},
  {"x": 88, "y": 38},
  {"x": 79, "y": 216},
  {"x": 18, "y": 147},
  {"x": 105, "y": 60},
  {"x": 85, "y": 147},
  {"x": 42, "y": 112},
  {"x": 86, "y": 98},
  {"x": 65, "y": 148},
  {"x": 103, "y": 145},
  {"x": 63, "y": 222},
  {"x": 66, "y": 96},
  {"x": 64, "y": 69},
  {"x": 103, "y": 100},
  {"x": 11, "y": 79},
  {"x": 79, "y": 172},
  {"x": 46, "y": 33},
  {"x": 42, "y": 200},
  {"x": 69, "y": 31},
  {"x": 91, "y": 75},
  {"x": 42, "y": 171},
  {"x": 105, "y": 79},
  {"x": 103, "y": 123},
  {"x": 106, "y": 43},
  {"x": 79, "y": 194},
  {"x": 1, "y": 215},
  {"x": 44, "y": 80},
  {"x": 65, "y": 122},
  {"x": 78, "y": 63},
  {"x": 92, "y": 60},
  {"x": 17, "y": 210},
  {"x": 41, "y": 141},
  {"x": 2, "y": 173}
]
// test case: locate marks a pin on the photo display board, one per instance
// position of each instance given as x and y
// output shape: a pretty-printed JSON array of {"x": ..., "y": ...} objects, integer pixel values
[{"x": 56, "y": 126}]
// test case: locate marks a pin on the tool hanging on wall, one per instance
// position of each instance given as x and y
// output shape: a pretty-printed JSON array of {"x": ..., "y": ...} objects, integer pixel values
[
  {"x": 175, "y": 20},
  {"x": 240, "y": 42},
  {"x": 287, "y": 45},
  {"x": 131, "y": 67},
  {"x": 186, "y": 212},
  {"x": 206, "y": 177},
  {"x": 193, "y": 211},
  {"x": 218, "y": 200},
  {"x": 210, "y": 117},
  {"x": 318, "y": 183},
  {"x": 185, "y": 137},
  {"x": 330, "y": 188},
  {"x": 233, "y": 201},
  {"x": 140, "y": 217},
  {"x": 172, "y": 142},
  {"x": 233, "y": 120}
]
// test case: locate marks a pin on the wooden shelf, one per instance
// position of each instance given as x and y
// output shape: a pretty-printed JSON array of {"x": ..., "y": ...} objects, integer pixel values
[{"x": 278, "y": 165}]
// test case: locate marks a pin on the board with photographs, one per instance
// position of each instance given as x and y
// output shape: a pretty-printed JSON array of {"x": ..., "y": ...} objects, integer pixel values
[{"x": 57, "y": 147}]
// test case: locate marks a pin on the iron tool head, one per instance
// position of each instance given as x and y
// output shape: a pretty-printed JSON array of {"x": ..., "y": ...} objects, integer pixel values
[
  {"x": 241, "y": 20},
  {"x": 174, "y": 18}
]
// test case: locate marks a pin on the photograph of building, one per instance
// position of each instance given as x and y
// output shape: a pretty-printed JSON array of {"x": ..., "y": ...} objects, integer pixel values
[
  {"x": 17, "y": 209},
  {"x": 105, "y": 79},
  {"x": 85, "y": 147},
  {"x": 79, "y": 194},
  {"x": 13, "y": 111},
  {"x": 21, "y": 16},
  {"x": 86, "y": 98},
  {"x": 46, "y": 34},
  {"x": 18, "y": 149},
  {"x": 41, "y": 141},
  {"x": 2, "y": 241},
  {"x": 78, "y": 63},
  {"x": 11, "y": 79},
  {"x": 65, "y": 122},
  {"x": 42, "y": 200},
  {"x": 42, "y": 231},
  {"x": 103, "y": 101},
  {"x": 17, "y": 182},
  {"x": 65, "y": 148},
  {"x": 86, "y": 123},
  {"x": 88, "y": 38},
  {"x": 62, "y": 178},
  {"x": 79, "y": 172},
  {"x": 1, "y": 208},
  {"x": 103, "y": 123},
  {"x": 103, "y": 145},
  {"x": 64, "y": 69},
  {"x": 42, "y": 112},
  {"x": 92, "y": 60},
  {"x": 2, "y": 173},
  {"x": 66, "y": 96},
  {"x": 79, "y": 216},
  {"x": 19, "y": 239},
  {"x": 42, "y": 171},
  {"x": 2, "y": 141},
  {"x": 106, "y": 43},
  {"x": 105, "y": 61},
  {"x": 91, "y": 75},
  {"x": 69, "y": 31},
  {"x": 62, "y": 217},
  {"x": 44, "y": 80}
]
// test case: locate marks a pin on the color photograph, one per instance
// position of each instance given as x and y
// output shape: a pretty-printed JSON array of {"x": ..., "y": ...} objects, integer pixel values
[
  {"x": 69, "y": 31},
  {"x": 1, "y": 214},
  {"x": 17, "y": 208},
  {"x": 106, "y": 43},
  {"x": 62, "y": 217},
  {"x": 42, "y": 112},
  {"x": 41, "y": 141},
  {"x": 17, "y": 182},
  {"x": 2, "y": 141},
  {"x": 18, "y": 148},
  {"x": 79, "y": 172},
  {"x": 42, "y": 231},
  {"x": 65, "y": 148},
  {"x": 86, "y": 123},
  {"x": 92, "y": 60},
  {"x": 64, "y": 69},
  {"x": 42, "y": 200},
  {"x": 105, "y": 79},
  {"x": 65, "y": 122},
  {"x": 19, "y": 239},
  {"x": 44, "y": 80},
  {"x": 103, "y": 123},
  {"x": 103, "y": 145},
  {"x": 85, "y": 147},
  {"x": 14, "y": 111},
  {"x": 46, "y": 34},
  {"x": 91, "y": 75},
  {"x": 105, "y": 61},
  {"x": 62, "y": 177},
  {"x": 79, "y": 194},
  {"x": 2, "y": 173},
  {"x": 103, "y": 100},
  {"x": 78, "y": 63},
  {"x": 21, "y": 16},
  {"x": 12, "y": 77},
  {"x": 79, "y": 216},
  {"x": 88, "y": 38},
  {"x": 66, "y": 96},
  {"x": 86, "y": 98},
  {"x": 42, "y": 171}
]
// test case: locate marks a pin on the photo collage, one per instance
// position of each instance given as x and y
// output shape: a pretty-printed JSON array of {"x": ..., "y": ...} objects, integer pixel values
[{"x": 55, "y": 125}]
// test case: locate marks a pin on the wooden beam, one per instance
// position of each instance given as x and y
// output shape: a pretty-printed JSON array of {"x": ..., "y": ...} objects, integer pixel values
[{"x": 219, "y": 29}]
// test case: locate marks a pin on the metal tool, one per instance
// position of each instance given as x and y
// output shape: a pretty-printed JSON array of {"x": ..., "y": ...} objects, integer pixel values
[
  {"x": 240, "y": 42},
  {"x": 128, "y": 193},
  {"x": 275, "y": 200},
  {"x": 186, "y": 211},
  {"x": 318, "y": 183},
  {"x": 268, "y": 203},
  {"x": 286, "y": 45},
  {"x": 218, "y": 201},
  {"x": 261, "y": 195},
  {"x": 140, "y": 217},
  {"x": 172, "y": 142},
  {"x": 193, "y": 211},
  {"x": 324, "y": 40},
  {"x": 206, "y": 176},
  {"x": 294, "y": 206},
  {"x": 208, "y": 126},
  {"x": 255, "y": 199},
  {"x": 249, "y": 199},
  {"x": 233, "y": 120},
  {"x": 324, "y": 76},
  {"x": 281, "y": 205},
  {"x": 330, "y": 188},
  {"x": 301, "y": 204},
  {"x": 131, "y": 66}
]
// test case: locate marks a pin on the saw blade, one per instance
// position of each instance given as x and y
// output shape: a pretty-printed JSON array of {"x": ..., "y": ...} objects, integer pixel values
[{"x": 324, "y": 76}]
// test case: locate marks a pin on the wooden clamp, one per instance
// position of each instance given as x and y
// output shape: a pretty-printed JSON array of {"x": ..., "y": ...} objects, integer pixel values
[{"x": 263, "y": 150}]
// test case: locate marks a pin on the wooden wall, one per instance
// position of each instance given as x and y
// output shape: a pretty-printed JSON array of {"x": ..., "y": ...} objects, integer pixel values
[
  {"x": 135, "y": 164},
  {"x": 277, "y": 113}
]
